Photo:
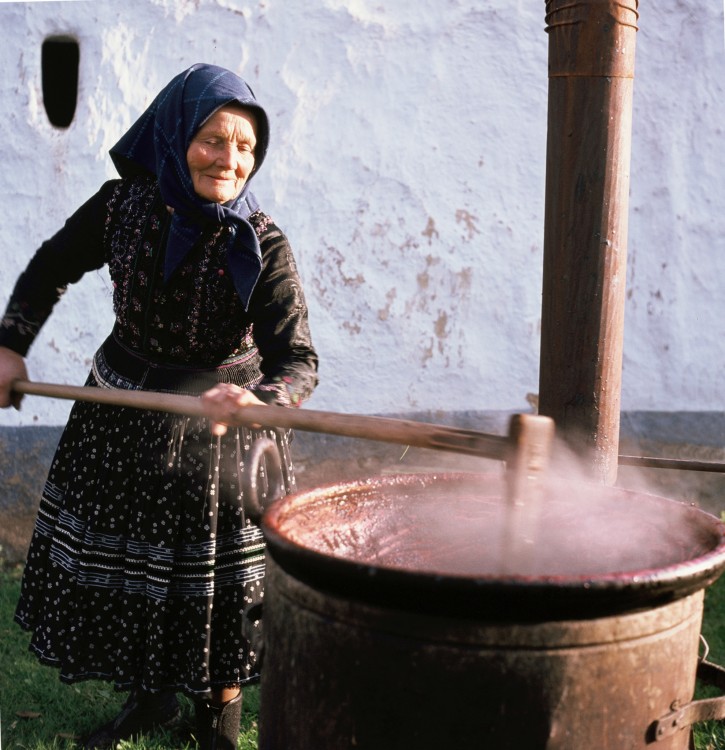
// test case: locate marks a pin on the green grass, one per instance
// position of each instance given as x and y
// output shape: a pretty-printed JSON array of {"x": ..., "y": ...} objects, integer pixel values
[
  {"x": 38, "y": 712},
  {"x": 710, "y": 735}
]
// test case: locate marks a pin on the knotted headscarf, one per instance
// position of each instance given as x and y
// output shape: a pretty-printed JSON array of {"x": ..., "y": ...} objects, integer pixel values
[{"x": 157, "y": 143}]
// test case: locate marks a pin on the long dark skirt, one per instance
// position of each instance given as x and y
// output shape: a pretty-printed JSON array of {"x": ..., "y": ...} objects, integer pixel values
[{"x": 143, "y": 568}]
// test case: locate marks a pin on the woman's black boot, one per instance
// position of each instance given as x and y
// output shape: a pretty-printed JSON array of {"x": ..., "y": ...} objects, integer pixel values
[
  {"x": 217, "y": 727},
  {"x": 141, "y": 713}
]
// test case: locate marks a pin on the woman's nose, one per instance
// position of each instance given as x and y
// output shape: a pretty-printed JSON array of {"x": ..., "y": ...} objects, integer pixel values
[{"x": 227, "y": 156}]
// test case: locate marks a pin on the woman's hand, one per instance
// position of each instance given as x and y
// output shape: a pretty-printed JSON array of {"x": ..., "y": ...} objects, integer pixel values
[
  {"x": 223, "y": 401},
  {"x": 12, "y": 368}
]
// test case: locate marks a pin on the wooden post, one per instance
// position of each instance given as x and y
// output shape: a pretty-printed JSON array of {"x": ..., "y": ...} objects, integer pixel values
[{"x": 591, "y": 71}]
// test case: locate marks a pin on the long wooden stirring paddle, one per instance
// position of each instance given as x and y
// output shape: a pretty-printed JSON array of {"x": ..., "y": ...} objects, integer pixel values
[{"x": 401, "y": 431}]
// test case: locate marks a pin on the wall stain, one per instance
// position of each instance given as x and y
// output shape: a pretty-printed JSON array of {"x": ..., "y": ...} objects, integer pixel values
[
  {"x": 430, "y": 231},
  {"x": 352, "y": 328},
  {"x": 410, "y": 243},
  {"x": 465, "y": 278},
  {"x": 427, "y": 353},
  {"x": 469, "y": 222},
  {"x": 326, "y": 281},
  {"x": 424, "y": 276},
  {"x": 440, "y": 325},
  {"x": 384, "y": 313}
]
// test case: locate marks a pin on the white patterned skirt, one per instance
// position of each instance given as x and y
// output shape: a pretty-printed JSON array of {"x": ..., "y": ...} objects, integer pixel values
[{"x": 144, "y": 568}]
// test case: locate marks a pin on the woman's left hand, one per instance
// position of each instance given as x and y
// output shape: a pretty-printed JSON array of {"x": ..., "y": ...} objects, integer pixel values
[{"x": 223, "y": 401}]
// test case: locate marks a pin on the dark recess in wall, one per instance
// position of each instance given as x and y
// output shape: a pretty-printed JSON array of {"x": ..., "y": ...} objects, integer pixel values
[{"x": 60, "y": 56}]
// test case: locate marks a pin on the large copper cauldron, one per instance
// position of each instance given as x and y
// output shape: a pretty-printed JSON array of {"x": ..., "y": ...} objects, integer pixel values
[{"x": 395, "y": 619}]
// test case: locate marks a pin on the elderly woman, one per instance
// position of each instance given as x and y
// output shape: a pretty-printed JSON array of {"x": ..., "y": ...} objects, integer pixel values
[{"x": 144, "y": 568}]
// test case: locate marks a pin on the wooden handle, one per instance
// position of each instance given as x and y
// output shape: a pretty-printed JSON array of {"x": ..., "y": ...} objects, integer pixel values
[
  {"x": 404, "y": 432},
  {"x": 401, "y": 431},
  {"x": 683, "y": 464},
  {"x": 174, "y": 403}
]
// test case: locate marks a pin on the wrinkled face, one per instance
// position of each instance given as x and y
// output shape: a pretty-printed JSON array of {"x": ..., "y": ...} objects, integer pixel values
[{"x": 221, "y": 154}]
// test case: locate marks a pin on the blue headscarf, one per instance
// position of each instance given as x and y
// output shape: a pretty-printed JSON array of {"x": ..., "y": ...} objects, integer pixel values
[{"x": 157, "y": 143}]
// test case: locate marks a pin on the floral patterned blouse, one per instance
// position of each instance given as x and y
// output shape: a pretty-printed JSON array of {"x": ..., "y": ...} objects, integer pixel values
[{"x": 195, "y": 318}]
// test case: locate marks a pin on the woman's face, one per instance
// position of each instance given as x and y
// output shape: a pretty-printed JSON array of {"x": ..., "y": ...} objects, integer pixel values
[{"x": 221, "y": 154}]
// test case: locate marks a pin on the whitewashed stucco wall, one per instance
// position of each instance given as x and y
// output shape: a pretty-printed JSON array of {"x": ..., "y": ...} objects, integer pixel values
[{"x": 407, "y": 167}]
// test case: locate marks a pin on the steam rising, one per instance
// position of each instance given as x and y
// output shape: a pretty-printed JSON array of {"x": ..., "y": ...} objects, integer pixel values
[{"x": 462, "y": 525}]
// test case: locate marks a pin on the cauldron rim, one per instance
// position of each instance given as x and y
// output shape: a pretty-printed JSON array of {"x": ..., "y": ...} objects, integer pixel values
[{"x": 508, "y": 597}]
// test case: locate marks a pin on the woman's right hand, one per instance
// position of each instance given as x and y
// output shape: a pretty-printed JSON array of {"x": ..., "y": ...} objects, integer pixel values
[
  {"x": 12, "y": 368},
  {"x": 223, "y": 401}
]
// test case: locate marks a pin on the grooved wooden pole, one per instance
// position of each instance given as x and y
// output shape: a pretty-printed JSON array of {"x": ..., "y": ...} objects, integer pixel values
[{"x": 591, "y": 70}]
